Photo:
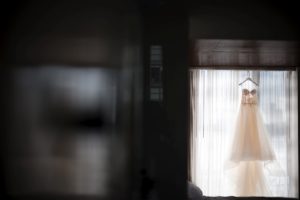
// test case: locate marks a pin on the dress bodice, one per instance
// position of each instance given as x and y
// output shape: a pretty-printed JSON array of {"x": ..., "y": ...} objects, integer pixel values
[{"x": 249, "y": 96}]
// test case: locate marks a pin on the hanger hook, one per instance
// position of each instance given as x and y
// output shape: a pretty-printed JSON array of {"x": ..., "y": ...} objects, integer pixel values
[{"x": 248, "y": 73}]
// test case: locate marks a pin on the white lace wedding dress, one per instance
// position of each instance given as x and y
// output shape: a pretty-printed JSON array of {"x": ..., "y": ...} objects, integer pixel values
[{"x": 251, "y": 149}]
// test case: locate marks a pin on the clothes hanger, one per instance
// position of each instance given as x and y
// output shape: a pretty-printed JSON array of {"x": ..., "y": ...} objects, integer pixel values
[{"x": 249, "y": 79}]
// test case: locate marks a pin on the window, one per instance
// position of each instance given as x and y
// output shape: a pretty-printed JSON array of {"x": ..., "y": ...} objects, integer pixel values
[
  {"x": 215, "y": 100},
  {"x": 156, "y": 68}
]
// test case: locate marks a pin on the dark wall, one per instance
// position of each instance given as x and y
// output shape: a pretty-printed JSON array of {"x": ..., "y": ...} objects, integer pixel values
[
  {"x": 80, "y": 32},
  {"x": 255, "y": 20},
  {"x": 165, "y": 122}
]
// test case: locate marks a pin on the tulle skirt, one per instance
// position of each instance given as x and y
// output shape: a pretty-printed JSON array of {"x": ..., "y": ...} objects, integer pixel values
[
  {"x": 249, "y": 179},
  {"x": 250, "y": 153},
  {"x": 250, "y": 142}
]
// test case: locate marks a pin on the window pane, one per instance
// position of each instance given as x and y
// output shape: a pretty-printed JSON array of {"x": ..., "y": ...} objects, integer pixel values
[{"x": 216, "y": 97}]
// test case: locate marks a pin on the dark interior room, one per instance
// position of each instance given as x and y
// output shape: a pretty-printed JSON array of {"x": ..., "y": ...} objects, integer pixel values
[{"x": 134, "y": 99}]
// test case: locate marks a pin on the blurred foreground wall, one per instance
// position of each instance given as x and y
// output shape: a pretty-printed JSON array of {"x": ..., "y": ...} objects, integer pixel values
[{"x": 69, "y": 116}]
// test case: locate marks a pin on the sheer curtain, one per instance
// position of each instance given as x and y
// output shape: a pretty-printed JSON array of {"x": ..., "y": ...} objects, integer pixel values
[{"x": 215, "y": 99}]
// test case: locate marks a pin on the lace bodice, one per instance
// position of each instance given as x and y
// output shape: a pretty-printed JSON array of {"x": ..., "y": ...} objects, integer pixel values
[{"x": 249, "y": 96}]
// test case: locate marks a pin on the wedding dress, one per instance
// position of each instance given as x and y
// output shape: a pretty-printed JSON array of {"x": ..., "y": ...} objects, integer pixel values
[{"x": 251, "y": 149}]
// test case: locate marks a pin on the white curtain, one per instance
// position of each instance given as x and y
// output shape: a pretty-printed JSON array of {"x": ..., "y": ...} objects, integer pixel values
[{"x": 215, "y": 99}]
